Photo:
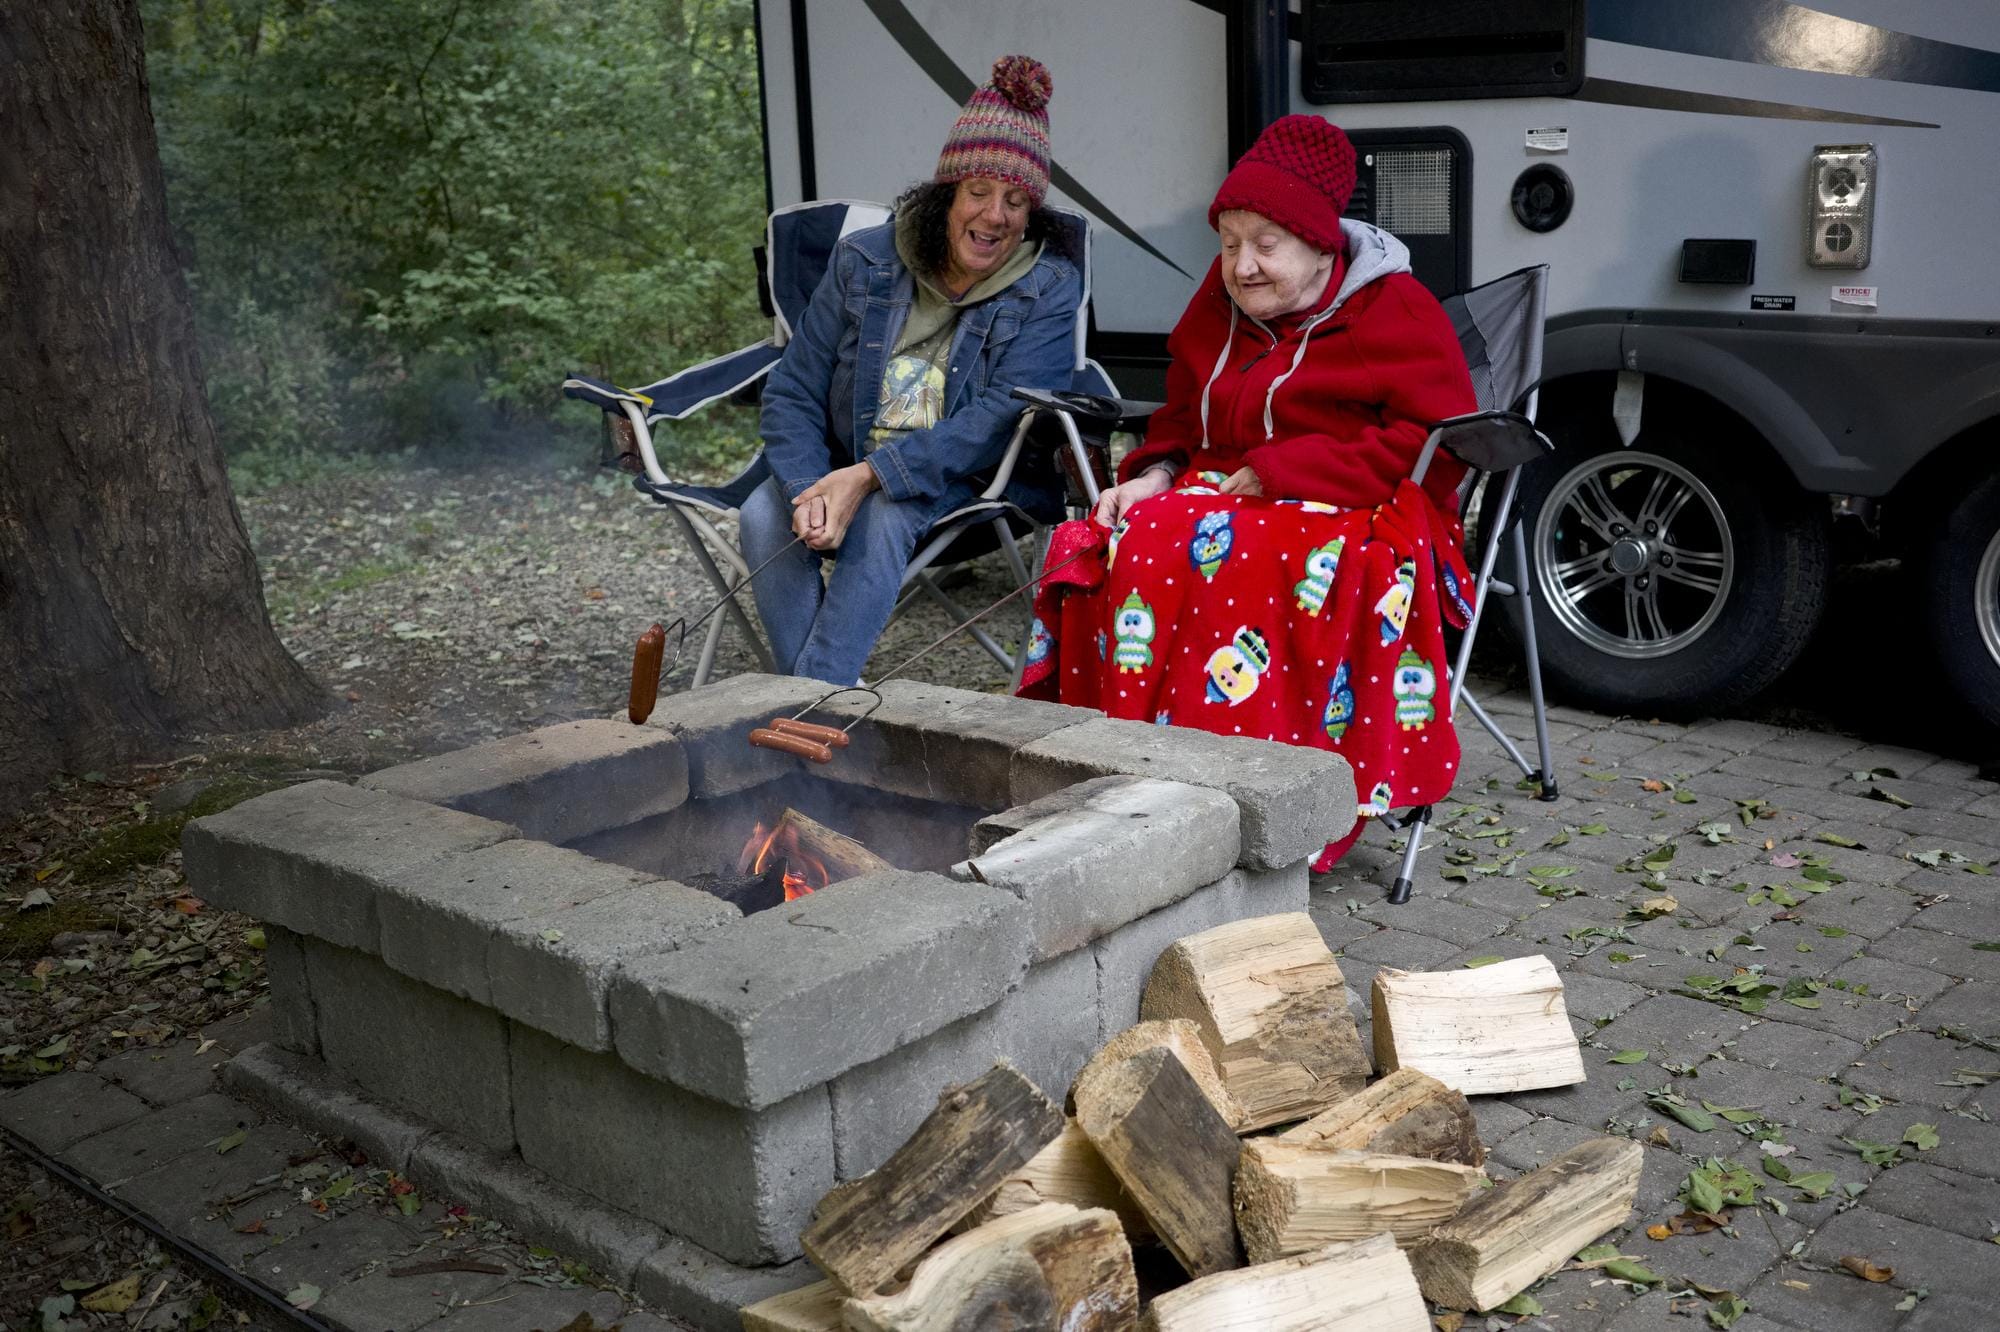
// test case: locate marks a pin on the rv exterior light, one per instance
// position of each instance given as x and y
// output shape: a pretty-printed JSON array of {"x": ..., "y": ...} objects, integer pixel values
[{"x": 1840, "y": 205}]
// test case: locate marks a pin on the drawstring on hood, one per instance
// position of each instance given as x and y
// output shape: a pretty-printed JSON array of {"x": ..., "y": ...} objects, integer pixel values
[{"x": 1372, "y": 253}]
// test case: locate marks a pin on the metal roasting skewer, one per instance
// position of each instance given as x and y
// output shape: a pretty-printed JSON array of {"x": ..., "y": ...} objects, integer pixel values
[{"x": 680, "y": 624}]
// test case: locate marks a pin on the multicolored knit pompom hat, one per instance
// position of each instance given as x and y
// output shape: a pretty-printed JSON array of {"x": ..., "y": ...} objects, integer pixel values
[{"x": 1003, "y": 133}]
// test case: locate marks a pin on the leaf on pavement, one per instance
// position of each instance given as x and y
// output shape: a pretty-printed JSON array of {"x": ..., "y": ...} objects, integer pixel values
[
  {"x": 1628, "y": 1057},
  {"x": 115, "y": 1298},
  {"x": 1866, "y": 1270},
  {"x": 303, "y": 1296},
  {"x": 1921, "y": 1136}
]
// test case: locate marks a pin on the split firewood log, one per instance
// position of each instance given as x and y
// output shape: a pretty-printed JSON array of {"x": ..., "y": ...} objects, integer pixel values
[
  {"x": 1293, "y": 1199},
  {"x": 1518, "y": 1232},
  {"x": 814, "y": 1308},
  {"x": 1183, "y": 1037},
  {"x": 843, "y": 857},
  {"x": 1362, "y": 1286},
  {"x": 1068, "y": 1170},
  {"x": 1407, "y": 1113},
  {"x": 1491, "y": 1029},
  {"x": 1171, "y": 1151},
  {"x": 979, "y": 1134},
  {"x": 1269, "y": 1001},
  {"x": 1052, "y": 1266}
]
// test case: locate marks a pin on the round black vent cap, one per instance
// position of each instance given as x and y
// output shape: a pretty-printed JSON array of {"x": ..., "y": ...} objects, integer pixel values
[{"x": 1542, "y": 197}]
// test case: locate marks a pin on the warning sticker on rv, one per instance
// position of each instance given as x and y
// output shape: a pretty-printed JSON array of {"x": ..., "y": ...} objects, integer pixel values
[
  {"x": 1554, "y": 140},
  {"x": 1862, "y": 296}
]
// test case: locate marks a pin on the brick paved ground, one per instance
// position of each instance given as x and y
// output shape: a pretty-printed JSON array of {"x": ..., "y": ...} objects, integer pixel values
[{"x": 1788, "y": 861}]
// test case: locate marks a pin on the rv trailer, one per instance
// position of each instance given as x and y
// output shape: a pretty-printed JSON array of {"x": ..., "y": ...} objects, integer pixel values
[{"x": 1774, "y": 289}]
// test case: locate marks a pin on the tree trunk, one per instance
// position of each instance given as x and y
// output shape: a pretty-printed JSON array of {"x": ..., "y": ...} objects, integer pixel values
[{"x": 130, "y": 606}]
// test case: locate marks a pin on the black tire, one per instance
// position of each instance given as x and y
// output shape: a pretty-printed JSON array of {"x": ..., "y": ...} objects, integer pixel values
[
  {"x": 1960, "y": 568},
  {"x": 1697, "y": 651}
]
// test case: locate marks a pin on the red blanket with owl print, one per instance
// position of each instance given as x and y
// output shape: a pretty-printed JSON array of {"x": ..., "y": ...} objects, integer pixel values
[{"x": 1286, "y": 620}]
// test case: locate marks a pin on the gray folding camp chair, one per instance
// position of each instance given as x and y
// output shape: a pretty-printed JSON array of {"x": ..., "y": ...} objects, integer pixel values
[
  {"x": 799, "y": 244},
  {"x": 1500, "y": 327}
]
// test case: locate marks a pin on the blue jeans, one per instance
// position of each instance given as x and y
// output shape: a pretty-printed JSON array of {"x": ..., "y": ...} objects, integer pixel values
[{"x": 826, "y": 629}]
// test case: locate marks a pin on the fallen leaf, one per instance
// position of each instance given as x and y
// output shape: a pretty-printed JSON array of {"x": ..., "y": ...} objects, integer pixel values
[
  {"x": 1523, "y": 1304},
  {"x": 1484, "y": 961},
  {"x": 1628, "y": 1057},
  {"x": 115, "y": 1298},
  {"x": 303, "y": 1296},
  {"x": 1797, "y": 1285},
  {"x": 205, "y": 1046},
  {"x": 1787, "y": 861},
  {"x": 231, "y": 1142},
  {"x": 1658, "y": 1137},
  {"x": 1663, "y": 905},
  {"x": 1448, "y": 1322},
  {"x": 1652, "y": 784},
  {"x": 1624, "y": 1269},
  {"x": 37, "y": 897},
  {"x": 1866, "y": 1270},
  {"x": 1728, "y": 1309},
  {"x": 1922, "y": 1136},
  {"x": 1658, "y": 1231},
  {"x": 188, "y": 906}
]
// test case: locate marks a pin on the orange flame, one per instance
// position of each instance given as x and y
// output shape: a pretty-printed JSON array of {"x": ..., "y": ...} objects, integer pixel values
[{"x": 802, "y": 872}]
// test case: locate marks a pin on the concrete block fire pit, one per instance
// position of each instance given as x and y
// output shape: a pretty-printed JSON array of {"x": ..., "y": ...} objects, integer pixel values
[{"x": 506, "y": 948}]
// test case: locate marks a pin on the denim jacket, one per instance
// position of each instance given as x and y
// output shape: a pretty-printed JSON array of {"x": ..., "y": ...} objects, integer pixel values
[{"x": 821, "y": 399}]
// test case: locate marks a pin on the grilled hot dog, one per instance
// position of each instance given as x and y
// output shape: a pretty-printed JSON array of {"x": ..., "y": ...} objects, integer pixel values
[
  {"x": 646, "y": 657},
  {"x": 826, "y": 735},
  {"x": 766, "y": 738}
]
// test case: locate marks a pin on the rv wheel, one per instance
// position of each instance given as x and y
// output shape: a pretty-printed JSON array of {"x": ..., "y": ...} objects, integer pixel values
[
  {"x": 1961, "y": 579},
  {"x": 1671, "y": 576}
]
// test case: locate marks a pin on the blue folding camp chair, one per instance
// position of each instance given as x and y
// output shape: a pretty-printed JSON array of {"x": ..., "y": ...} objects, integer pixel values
[{"x": 799, "y": 244}]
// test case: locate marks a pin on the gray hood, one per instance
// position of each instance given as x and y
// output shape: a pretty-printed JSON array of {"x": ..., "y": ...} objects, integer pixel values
[{"x": 1371, "y": 253}]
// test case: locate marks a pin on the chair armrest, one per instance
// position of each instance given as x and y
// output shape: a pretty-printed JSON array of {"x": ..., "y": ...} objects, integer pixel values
[
  {"x": 1106, "y": 414},
  {"x": 1490, "y": 441}
]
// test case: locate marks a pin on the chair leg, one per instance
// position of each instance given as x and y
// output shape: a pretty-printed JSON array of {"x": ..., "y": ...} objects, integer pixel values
[
  {"x": 711, "y": 637},
  {"x": 1419, "y": 819},
  {"x": 1467, "y": 701},
  {"x": 731, "y": 607},
  {"x": 1524, "y": 588},
  {"x": 958, "y": 615}
]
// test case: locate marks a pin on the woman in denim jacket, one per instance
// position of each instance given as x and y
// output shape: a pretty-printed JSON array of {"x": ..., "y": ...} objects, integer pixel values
[{"x": 893, "y": 397}]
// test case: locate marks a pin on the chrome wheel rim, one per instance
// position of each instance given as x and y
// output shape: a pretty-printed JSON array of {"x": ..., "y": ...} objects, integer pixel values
[
  {"x": 1633, "y": 555},
  {"x": 1986, "y": 598}
]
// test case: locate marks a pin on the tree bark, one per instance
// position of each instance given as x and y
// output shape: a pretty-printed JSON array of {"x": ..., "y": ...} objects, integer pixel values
[{"x": 131, "y": 612}]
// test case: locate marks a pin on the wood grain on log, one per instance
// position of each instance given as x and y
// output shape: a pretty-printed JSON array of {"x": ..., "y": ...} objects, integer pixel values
[
  {"x": 1484, "y": 1030},
  {"x": 1407, "y": 1113},
  {"x": 814, "y": 1308},
  {"x": 1183, "y": 1037},
  {"x": 1363, "y": 1286},
  {"x": 978, "y": 1135},
  {"x": 1292, "y": 1198},
  {"x": 1171, "y": 1151},
  {"x": 843, "y": 857},
  {"x": 1269, "y": 1001},
  {"x": 1052, "y": 1266},
  {"x": 1518, "y": 1232},
  {"x": 1068, "y": 1170}
]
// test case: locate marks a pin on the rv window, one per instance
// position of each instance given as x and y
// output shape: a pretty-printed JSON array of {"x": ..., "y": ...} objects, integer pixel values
[
  {"x": 1437, "y": 50},
  {"x": 1417, "y": 184}
]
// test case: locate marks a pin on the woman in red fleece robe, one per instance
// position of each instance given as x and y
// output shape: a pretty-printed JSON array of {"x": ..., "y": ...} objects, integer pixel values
[{"x": 1264, "y": 567}]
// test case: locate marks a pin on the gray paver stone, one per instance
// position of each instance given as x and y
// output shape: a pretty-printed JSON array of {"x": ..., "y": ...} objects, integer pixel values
[
  {"x": 164, "y": 1076},
  {"x": 556, "y": 783},
  {"x": 1812, "y": 748},
  {"x": 439, "y": 921},
  {"x": 1764, "y": 766},
  {"x": 539, "y": 1307},
  {"x": 1496, "y": 1119},
  {"x": 1920, "y": 1191},
  {"x": 1937, "y": 1260},
  {"x": 1119, "y": 854},
  {"x": 1738, "y": 737},
  {"x": 422, "y": 1050},
  {"x": 1668, "y": 1025},
  {"x": 1593, "y": 998},
  {"x": 1896, "y": 984},
  {"x": 1948, "y": 1313},
  {"x": 740, "y": 1182},
  {"x": 327, "y": 1255},
  {"x": 554, "y": 971},
  {"x": 1781, "y": 1097},
  {"x": 1918, "y": 1067},
  {"x": 939, "y": 743},
  {"x": 187, "y": 1194},
  {"x": 689, "y": 1282},
  {"x": 1972, "y": 1008},
  {"x": 1775, "y": 1045},
  {"x": 374, "y": 1299},
  {"x": 713, "y": 724},
  {"x": 1976, "y": 919},
  {"x": 1719, "y": 1261},
  {"x": 1932, "y": 824},
  {"x": 1293, "y": 800},
  {"x": 1920, "y": 947},
  {"x": 134, "y": 1147},
  {"x": 1439, "y": 918},
  {"x": 1829, "y": 1300},
  {"x": 306, "y": 1091},
  {"x": 310, "y": 857},
  {"x": 1969, "y": 1146},
  {"x": 767, "y": 1006},
  {"x": 67, "y": 1108},
  {"x": 1588, "y": 1103}
]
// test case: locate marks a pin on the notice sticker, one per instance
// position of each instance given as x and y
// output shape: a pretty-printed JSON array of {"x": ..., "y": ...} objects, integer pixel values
[
  {"x": 1774, "y": 303},
  {"x": 1555, "y": 140},
  {"x": 1863, "y": 297}
]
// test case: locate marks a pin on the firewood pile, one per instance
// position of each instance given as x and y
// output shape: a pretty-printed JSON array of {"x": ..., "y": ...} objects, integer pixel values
[{"x": 1237, "y": 1127}]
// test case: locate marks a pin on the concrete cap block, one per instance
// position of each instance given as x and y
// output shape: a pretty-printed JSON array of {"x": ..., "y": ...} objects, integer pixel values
[
  {"x": 939, "y": 743},
  {"x": 1121, "y": 851},
  {"x": 1294, "y": 800},
  {"x": 785, "y": 999},
  {"x": 998, "y": 827},
  {"x": 311, "y": 857},
  {"x": 555, "y": 784},
  {"x": 440, "y": 918},
  {"x": 554, "y": 971},
  {"x": 713, "y": 724}
]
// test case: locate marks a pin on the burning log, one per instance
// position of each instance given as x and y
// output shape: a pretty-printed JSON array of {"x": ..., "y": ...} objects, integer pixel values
[
  {"x": 1068, "y": 1170},
  {"x": 1405, "y": 1114},
  {"x": 978, "y": 1135},
  {"x": 1173, "y": 1153},
  {"x": 1493, "y": 1029},
  {"x": 1365, "y": 1286},
  {"x": 1293, "y": 1198},
  {"x": 1520, "y": 1231},
  {"x": 810, "y": 840},
  {"x": 814, "y": 1308},
  {"x": 1051, "y": 1266},
  {"x": 1271, "y": 1007},
  {"x": 1181, "y": 1036}
]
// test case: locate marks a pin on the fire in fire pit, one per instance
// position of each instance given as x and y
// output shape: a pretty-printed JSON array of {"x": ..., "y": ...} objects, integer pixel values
[
  {"x": 795, "y": 856},
  {"x": 799, "y": 870}
]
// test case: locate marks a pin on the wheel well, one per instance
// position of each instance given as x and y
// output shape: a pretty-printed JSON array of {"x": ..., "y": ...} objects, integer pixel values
[
  {"x": 1586, "y": 398},
  {"x": 1920, "y": 498}
]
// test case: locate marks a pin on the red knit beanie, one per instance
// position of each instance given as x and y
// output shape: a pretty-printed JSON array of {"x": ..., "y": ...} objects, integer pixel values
[
  {"x": 1299, "y": 174},
  {"x": 1003, "y": 133}
]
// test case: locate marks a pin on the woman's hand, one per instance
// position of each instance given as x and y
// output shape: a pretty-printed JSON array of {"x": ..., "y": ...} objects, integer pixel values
[
  {"x": 1112, "y": 503},
  {"x": 823, "y": 510},
  {"x": 1242, "y": 481}
]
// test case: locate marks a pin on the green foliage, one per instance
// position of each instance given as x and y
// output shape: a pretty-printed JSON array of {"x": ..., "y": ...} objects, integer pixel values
[{"x": 406, "y": 220}]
